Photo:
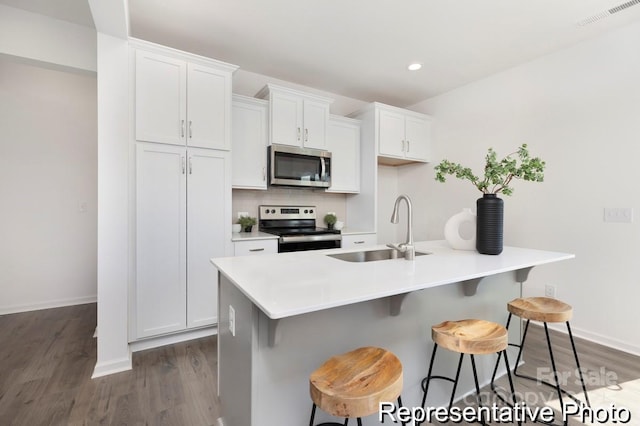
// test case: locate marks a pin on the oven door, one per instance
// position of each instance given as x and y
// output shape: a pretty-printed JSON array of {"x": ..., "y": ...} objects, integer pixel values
[
  {"x": 309, "y": 242},
  {"x": 293, "y": 166}
]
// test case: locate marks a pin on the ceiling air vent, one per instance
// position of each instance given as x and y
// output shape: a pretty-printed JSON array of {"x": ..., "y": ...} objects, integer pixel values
[{"x": 606, "y": 13}]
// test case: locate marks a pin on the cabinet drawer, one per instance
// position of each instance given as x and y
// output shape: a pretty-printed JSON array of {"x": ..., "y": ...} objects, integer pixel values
[
  {"x": 359, "y": 241},
  {"x": 247, "y": 248}
]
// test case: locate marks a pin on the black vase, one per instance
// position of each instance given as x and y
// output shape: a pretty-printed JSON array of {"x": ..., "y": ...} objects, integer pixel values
[{"x": 490, "y": 213}]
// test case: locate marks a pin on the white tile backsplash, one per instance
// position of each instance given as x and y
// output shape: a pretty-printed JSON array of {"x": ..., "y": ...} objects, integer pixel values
[{"x": 248, "y": 201}]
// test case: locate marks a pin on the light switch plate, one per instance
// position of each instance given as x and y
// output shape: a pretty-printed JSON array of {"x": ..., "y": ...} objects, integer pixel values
[{"x": 618, "y": 214}]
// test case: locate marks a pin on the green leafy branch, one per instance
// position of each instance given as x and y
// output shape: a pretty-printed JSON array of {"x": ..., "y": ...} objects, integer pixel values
[{"x": 498, "y": 174}]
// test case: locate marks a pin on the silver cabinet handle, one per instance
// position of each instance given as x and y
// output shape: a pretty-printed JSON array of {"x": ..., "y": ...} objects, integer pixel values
[
  {"x": 190, "y": 131},
  {"x": 358, "y": 242},
  {"x": 182, "y": 129},
  {"x": 306, "y": 135},
  {"x": 298, "y": 133},
  {"x": 264, "y": 174},
  {"x": 257, "y": 249},
  {"x": 183, "y": 164},
  {"x": 408, "y": 146},
  {"x": 190, "y": 166}
]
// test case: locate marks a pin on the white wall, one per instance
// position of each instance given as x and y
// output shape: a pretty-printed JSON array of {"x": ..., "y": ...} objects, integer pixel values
[
  {"x": 48, "y": 187},
  {"x": 578, "y": 109},
  {"x": 54, "y": 42}
]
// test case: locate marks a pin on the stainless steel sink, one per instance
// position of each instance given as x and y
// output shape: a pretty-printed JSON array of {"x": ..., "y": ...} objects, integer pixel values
[{"x": 371, "y": 255}]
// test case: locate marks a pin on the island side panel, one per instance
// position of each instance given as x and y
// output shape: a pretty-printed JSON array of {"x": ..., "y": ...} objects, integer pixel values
[
  {"x": 234, "y": 354},
  {"x": 281, "y": 387}
]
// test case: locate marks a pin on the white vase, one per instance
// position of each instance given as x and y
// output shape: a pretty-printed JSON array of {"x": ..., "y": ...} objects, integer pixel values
[{"x": 453, "y": 227}]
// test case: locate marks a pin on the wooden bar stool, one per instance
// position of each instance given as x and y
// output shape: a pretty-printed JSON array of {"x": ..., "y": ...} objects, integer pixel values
[
  {"x": 545, "y": 310},
  {"x": 473, "y": 337},
  {"x": 355, "y": 383}
]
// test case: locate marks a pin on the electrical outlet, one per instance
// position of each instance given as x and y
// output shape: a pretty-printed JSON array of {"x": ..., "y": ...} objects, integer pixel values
[
  {"x": 240, "y": 214},
  {"x": 232, "y": 320},
  {"x": 550, "y": 290}
]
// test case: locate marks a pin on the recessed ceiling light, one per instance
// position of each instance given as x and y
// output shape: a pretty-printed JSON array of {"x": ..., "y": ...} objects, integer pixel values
[{"x": 414, "y": 67}]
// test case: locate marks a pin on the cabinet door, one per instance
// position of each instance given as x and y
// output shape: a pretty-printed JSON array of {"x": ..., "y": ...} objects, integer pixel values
[
  {"x": 286, "y": 119},
  {"x": 160, "y": 98},
  {"x": 160, "y": 239},
  {"x": 391, "y": 133},
  {"x": 249, "y": 147},
  {"x": 208, "y": 107},
  {"x": 208, "y": 228},
  {"x": 315, "y": 120},
  {"x": 343, "y": 140},
  {"x": 417, "y": 136}
]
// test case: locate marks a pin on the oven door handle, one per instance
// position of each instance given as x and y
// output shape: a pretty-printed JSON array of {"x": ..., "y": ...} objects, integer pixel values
[{"x": 311, "y": 238}]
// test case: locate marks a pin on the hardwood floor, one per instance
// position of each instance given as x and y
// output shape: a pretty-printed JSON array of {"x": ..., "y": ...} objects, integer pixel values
[{"x": 47, "y": 358}]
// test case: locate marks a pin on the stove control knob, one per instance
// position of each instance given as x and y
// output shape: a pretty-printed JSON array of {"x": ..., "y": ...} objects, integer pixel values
[
  {"x": 266, "y": 211},
  {"x": 306, "y": 211},
  {"x": 273, "y": 210},
  {"x": 311, "y": 211}
]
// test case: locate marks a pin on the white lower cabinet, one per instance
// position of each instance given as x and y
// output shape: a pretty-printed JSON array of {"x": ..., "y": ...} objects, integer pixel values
[
  {"x": 183, "y": 199},
  {"x": 253, "y": 247},
  {"x": 359, "y": 240}
]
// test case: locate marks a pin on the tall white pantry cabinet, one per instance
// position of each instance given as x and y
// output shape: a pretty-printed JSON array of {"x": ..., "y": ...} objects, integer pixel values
[{"x": 181, "y": 132}]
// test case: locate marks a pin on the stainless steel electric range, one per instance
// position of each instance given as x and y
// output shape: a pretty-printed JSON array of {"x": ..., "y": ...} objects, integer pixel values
[{"x": 297, "y": 229}]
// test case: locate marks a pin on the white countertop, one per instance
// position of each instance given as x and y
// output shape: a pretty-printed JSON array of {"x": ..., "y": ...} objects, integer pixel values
[
  {"x": 251, "y": 236},
  {"x": 288, "y": 284}
]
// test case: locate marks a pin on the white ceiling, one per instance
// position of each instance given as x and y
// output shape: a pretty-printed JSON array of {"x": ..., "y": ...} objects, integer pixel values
[{"x": 361, "y": 48}]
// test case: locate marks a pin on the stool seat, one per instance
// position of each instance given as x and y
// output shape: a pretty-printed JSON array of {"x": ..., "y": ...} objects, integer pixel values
[
  {"x": 471, "y": 336},
  {"x": 353, "y": 384},
  {"x": 543, "y": 309}
]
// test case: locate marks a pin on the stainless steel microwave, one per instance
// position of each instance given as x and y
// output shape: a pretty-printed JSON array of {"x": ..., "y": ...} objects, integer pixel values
[{"x": 293, "y": 166}]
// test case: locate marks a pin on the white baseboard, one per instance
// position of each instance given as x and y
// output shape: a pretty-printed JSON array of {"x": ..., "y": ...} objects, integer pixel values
[
  {"x": 598, "y": 338},
  {"x": 155, "y": 342},
  {"x": 59, "y": 303},
  {"x": 112, "y": 367}
]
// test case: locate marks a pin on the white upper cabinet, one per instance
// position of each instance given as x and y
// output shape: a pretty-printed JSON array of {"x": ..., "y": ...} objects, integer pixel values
[
  {"x": 343, "y": 141},
  {"x": 161, "y": 98},
  {"x": 249, "y": 142},
  {"x": 208, "y": 107},
  {"x": 182, "y": 100},
  {"x": 296, "y": 118},
  {"x": 402, "y": 136}
]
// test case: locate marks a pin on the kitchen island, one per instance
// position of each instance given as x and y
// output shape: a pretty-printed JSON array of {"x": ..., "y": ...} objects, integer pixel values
[{"x": 281, "y": 316}]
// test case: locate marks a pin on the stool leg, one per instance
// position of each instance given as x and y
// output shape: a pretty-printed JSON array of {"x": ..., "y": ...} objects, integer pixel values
[
  {"x": 455, "y": 382},
  {"x": 524, "y": 337},
  {"x": 511, "y": 386},
  {"x": 426, "y": 380},
  {"x": 313, "y": 414},
  {"x": 495, "y": 369},
  {"x": 575, "y": 355},
  {"x": 475, "y": 380},
  {"x": 400, "y": 405},
  {"x": 553, "y": 366}
]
